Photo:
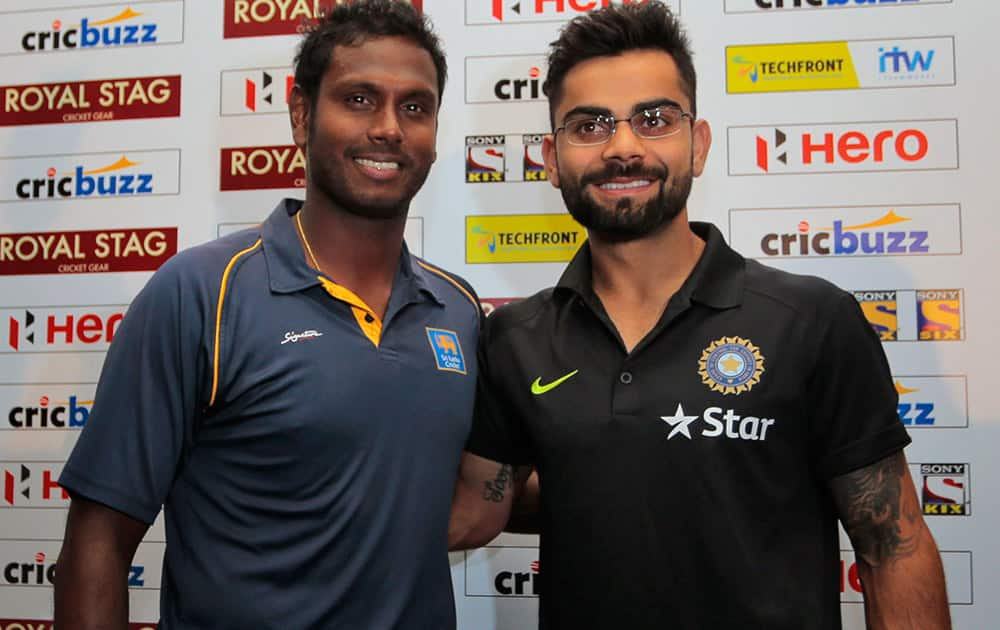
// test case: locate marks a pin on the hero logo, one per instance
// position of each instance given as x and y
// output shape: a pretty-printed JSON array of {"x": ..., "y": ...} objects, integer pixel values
[
  {"x": 256, "y": 90},
  {"x": 28, "y": 484},
  {"x": 877, "y": 146},
  {"x": 62, "y": 329},
  {"x": 720, "y": 424},
  {"x": 122, "y": 29},
  {"x": 534, "y": 10},
  {"x": 251, "y": 88},
  {"x": 513, "y": 583}
]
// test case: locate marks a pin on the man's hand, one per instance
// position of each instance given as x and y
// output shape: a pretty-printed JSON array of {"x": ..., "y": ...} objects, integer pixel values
[{"x": 898, "y": 562}]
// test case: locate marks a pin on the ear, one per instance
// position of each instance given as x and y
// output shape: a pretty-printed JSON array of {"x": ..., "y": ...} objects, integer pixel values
[
  {"x": 549, "y": 156},
  {"x": 701, "y": 142},
  {"x": 298, "y": 116}
]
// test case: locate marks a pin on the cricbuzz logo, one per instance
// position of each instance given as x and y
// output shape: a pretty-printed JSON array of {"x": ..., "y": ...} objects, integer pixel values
[{"x": 120, "y": 178}]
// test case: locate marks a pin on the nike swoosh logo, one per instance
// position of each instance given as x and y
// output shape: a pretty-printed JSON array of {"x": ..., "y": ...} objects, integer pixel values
[{"x": 537, "y": 388}]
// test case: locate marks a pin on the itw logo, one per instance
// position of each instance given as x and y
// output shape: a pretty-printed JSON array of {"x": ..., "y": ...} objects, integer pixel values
[{"x": 896, "y": 60}]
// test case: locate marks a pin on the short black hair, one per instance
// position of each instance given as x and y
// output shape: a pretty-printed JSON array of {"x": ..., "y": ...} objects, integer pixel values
[
  {"x": 353, "y": 24},
  {"x": 612, "y": 31}
]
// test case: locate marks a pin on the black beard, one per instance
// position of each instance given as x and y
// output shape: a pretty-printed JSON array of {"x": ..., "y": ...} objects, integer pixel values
[{"x": 626, "y": 222}]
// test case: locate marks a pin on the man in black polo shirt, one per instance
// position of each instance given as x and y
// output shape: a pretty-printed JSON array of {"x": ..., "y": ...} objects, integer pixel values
[{"x": 698, "y": 422}]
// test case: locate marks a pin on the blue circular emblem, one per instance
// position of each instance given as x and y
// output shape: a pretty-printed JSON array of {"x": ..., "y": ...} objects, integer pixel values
[{"x": 731, "y": 364}]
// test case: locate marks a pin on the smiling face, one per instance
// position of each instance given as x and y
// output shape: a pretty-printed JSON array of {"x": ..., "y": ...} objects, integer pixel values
[
  {"x": 369, "y": 138},
  {"x": 628, "y": 187}
]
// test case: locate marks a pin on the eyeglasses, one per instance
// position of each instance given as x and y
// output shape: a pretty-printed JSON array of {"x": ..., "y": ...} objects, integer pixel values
[{"x": 650, "y": 124}]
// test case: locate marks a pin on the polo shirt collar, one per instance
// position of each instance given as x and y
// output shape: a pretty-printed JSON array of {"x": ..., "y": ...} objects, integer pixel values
[
  {"x": 717, "y": 279},
  {"x": 288, "y": 271}
]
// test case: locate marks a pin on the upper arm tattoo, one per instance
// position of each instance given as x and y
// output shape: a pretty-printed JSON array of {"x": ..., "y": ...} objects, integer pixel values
[
  {"x": 871, "y": 506},
  {"x": 496, "y": 489}
]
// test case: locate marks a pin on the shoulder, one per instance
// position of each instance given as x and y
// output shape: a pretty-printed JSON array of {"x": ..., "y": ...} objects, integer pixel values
[
  {"x": 522, "y": 315},
  {"x": 207, "y": 263},
  {"x": 452, "y": 288},
  {"x": 803, "y": 295}
]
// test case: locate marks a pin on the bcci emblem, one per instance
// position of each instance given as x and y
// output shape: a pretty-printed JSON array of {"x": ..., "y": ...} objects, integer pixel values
[{"x": 731, "y": 365}]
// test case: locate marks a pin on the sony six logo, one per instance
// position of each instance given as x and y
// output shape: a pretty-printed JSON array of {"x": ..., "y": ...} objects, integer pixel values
[
  {"x": 486, "y": 158},
  {"x": 914, "y": 315},
  {"x": 124, "y": 28},
  {"x": 945, "y": 489},
  {"x": 32, "y": 484},
  {"x": 122, "y": 177}
]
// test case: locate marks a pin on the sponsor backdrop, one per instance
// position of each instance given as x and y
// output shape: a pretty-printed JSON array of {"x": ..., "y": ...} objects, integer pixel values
[{"x": 852, "y": 139}]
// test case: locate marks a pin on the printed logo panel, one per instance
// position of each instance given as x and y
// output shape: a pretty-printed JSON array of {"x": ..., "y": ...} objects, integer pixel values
[
  {"x": 32, "y": 485},
  {"x": 957, "y": 576},
  {"x": 60, "y": 328},
  {"x": 32, "y": 563},
  {"x": 257, "y": 18},
  {"x": 259, "y": 168},
  {"x": 478, "y": 12},
  {"x": 502, "y": 572},
  {"x": 90, "y": 175},
  {"x": 911, "y": 145},
  {"x": 92, "y": 27},
  {"x": 511, "y": 79},
  {"x": 255, "y": 91},
  {"x": 755, "y": 6},
  {"x": 413, "y": 233},
  {"x": 846, "y": 232},
  {"x": 944, "y": 489},
  {"x": 56, "y": 406},
  {"x": 493, "y": 159},
  {"x": 933, "y": 402},
  {"x": 91, "y": 101},
  {"x": 844, "y": 65},
  {"x": 522, "y": 238},
  {"x": 90, "y": 251},
  {"x": 914, "y": 315}
]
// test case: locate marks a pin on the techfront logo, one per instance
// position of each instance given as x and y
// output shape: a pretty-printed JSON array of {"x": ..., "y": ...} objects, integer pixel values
[
  {"x": 90, "y": 175},
  {"x": 413, "y": 233},
  {"x": 257, "y": 18},
  {"x": 914, "y": 315},
  {"x": 486, "y": 159},
  {"x": 57, "y": 406},
  {"x": 92, "y": 27},
  {"x": 478, "y": 12},
  {"x": 521, "y": 238},
  {"x": 91, "y": 101},
  {"x": 91, "y": 251},
  {"x": 933, "y": 402},
  {"x": 913, "y": 145},
  {"x": 957, "y": 573},
  {"x": 844, "y": 65},
  {"x": 944, "y": 488},
  {"x": 847, "y": 232},
  {"x": 33, "y": 329},
  {"x": 502, "y": 572},
  {"x": 32, "y": 484},
  {"x": 255, "y": 91},
  {"x": 495, "y": 79},
  {"x": 264, "y": 167},
  {"x": 755, "y": 6}
]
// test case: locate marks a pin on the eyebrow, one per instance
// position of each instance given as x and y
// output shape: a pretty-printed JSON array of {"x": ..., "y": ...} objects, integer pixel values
[
  {"x": 368, "y": 86},
  {"x": 593, "y": 110}
]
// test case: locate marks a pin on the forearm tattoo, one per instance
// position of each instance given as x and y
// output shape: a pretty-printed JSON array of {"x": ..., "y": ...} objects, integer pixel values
[
  {"x": 495, "y": 490},
  {"x": 870, "y": 507}
]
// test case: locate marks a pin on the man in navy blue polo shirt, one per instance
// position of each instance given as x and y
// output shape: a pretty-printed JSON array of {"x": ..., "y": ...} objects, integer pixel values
[
  {"x": 698, "y": 422},
  {"x": 295, "y": 395}
]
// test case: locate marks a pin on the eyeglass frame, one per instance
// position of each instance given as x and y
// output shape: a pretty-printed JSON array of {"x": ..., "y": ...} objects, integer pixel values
[{"x": 641, "y": 111}]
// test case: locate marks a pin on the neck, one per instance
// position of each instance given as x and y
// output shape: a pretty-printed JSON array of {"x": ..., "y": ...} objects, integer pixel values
[
  {"x": 636, "y": 279},
  {"x": 359, "y": 253}
]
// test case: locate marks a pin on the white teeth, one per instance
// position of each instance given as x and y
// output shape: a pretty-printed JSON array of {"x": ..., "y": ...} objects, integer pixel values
[
  {"x": 382, "y": 166},
  {"x": 634, "y": 184}
]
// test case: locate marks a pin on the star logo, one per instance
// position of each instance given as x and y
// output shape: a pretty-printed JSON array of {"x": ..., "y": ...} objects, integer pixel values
[{"x": 679, "y": 422}]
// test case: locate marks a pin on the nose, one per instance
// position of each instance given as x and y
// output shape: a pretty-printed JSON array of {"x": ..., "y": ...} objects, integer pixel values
[
  {"x": 384, "y": 127},
  {"x": 624, "y": 145}
]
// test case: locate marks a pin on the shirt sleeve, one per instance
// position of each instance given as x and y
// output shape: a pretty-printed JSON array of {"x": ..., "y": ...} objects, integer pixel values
[
  {"x": 147, "y": 402},
  {"x": 498, "y": 433},
  {"x": 855, "y": 420}
]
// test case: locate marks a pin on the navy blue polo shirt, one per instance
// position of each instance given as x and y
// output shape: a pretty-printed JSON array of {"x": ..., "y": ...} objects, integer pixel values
[
  {"x": 305, "y": 452},
  {"x": 685, "y": 483}
]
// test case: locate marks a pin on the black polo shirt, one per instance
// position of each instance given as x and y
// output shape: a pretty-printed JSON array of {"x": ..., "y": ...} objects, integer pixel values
[{"x": 685, "y": 483}]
